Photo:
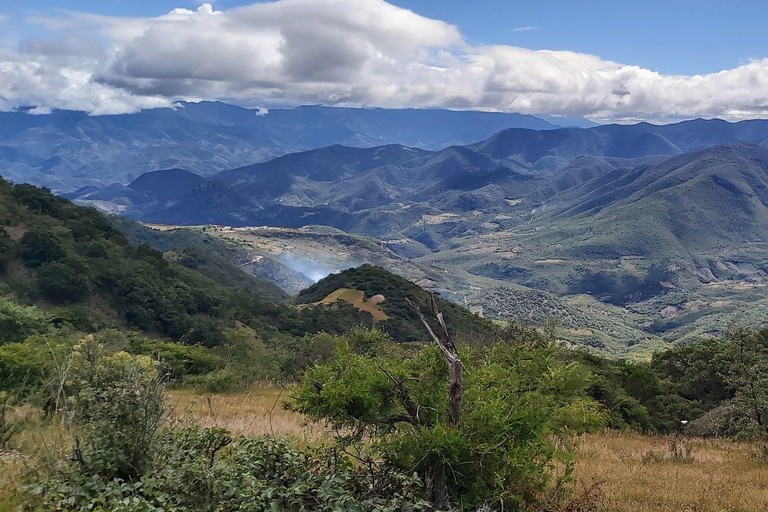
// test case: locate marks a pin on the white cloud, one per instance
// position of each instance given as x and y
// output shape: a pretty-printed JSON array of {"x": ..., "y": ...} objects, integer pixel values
[
  {"x": 527, "y": 28},
  {"x": 345, "y": 52}
]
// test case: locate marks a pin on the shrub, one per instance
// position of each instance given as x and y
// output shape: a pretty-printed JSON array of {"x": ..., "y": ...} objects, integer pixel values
[
  {"x": 117, "y": 406},
  {"x": 517, "y": 397},
  {"x": 17, "y": 321}
]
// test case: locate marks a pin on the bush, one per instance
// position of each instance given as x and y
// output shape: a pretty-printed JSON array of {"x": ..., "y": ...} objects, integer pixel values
[
  {"x": 206, "y": 470},
  {"x": 17, "y": 321},
  {"x": 517, "y": 398},
  {"x": 123, "y": 460},
  {"x": 117, "y": 406}
]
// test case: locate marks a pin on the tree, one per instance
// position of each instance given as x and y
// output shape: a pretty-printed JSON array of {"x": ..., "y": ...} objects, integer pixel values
[
  {"x": 474, "y": 437},
  {"x": 748, "y": 377},
  {"x": 64, "y": 282},
  {"x": 39, "y": 246}
]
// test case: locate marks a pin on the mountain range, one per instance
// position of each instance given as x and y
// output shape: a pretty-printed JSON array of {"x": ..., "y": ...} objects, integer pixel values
[
  {"x": 628, "y": 236},
  {"x": 67, "y": 150}
]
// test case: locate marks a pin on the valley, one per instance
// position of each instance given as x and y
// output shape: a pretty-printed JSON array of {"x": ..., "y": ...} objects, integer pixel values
[{"x": 626, "y": 250}]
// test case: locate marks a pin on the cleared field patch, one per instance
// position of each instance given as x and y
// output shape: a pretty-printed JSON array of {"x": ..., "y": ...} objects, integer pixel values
[{"x": 357, "y": 299}]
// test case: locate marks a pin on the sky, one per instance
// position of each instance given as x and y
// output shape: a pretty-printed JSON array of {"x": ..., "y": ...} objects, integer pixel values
[{"x": 604, "y": 60}]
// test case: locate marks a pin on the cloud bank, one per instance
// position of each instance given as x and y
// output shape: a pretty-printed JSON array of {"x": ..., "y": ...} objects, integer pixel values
[{"x": 347, "y": 53}]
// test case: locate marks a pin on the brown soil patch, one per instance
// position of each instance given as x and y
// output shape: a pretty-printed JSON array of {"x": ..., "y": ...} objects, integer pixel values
[
  {"x": 580, "y": 332},
  {"x": 15, "y": 232},
  {"x": 357, "y": 299}
]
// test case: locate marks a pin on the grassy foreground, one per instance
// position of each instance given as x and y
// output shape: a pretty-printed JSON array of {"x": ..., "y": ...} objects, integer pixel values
[
  {"x": 642, "y": 473},
  {"x": 636, "y": 473}
]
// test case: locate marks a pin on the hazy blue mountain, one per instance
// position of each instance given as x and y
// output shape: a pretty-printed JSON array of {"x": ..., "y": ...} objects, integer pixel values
[
  {"x": 66, "y": 150},
  {"x": 171, "y": 184}
]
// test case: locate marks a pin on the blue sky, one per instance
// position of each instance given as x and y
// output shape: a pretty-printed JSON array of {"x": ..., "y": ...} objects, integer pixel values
[
  {"x": 669, "y": 36},
  {"x": 610, "y": 60}
]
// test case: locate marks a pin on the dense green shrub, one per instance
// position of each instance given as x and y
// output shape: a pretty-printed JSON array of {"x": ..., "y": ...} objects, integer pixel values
[
  {"x": 26, "y": 367},
  {"x": 17, "y": 321},
  {"x": 116, "y": 405},
  {"x": 64, "y": 282},
  {"x": 40, "y": 245},
  {"x": 517, "y": 397}
]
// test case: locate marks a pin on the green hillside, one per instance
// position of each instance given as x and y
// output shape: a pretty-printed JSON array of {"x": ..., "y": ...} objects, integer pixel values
[
  {"x": 402, "y": 323},
  {"x": 75, "y": 265}
]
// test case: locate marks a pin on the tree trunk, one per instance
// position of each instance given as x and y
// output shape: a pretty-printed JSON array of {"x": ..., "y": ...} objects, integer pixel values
[
  {"x": 437, "y": 485},
  {"x": 455, "y": 389}
]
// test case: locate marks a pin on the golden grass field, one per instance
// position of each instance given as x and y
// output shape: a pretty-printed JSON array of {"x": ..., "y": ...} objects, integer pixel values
[
  {"x": 639, "y": 474},
  {"x": 636, "y": 473},
  {"x": 253, "y": 413},
  {"x": 357, "y": 299}
]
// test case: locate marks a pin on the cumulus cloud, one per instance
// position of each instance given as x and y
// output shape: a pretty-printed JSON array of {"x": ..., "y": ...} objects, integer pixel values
[{"x": 344, "y": 52}]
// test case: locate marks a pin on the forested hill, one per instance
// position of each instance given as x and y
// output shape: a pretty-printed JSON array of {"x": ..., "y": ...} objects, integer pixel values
[
  {"x": 73, "y": 263},
  {"x": 77, "y": 266},
  {"x": 381, "y": 291}
]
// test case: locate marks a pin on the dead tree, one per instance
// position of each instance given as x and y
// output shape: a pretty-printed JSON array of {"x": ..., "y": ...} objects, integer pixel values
[{"x": 437, "y": 486}]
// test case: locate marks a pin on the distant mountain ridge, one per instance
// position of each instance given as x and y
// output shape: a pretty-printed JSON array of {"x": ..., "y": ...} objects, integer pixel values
[
  {"x": 67, "y": 150},
  {"x": 351, "y": 188}
]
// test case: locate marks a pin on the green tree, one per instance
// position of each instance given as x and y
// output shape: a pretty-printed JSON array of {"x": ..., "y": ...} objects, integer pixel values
[
  {"x": 64, "y": 282},
  {"x": 516, "y": 399},
  {"x": 748, "y": 377},
  {"x": 40, "y": 245}
]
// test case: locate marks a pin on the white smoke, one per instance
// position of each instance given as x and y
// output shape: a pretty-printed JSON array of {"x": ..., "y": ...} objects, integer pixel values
[{"x": 310, "y": 268}]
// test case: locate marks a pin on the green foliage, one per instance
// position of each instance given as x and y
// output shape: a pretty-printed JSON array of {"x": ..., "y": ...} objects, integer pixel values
[
  {"x": 516, "y": 398},
  {"x": 694, "y": 380},
  {"x": 40, "y": 245},
  {"x": 26, "y": 367},
  {"x": 64, "y": 282},
  {"x": 206, "y": 470},
  {"x": 6, "y": 249},
  {"x": 176, "y": 360},
  {"x": 123, "y": 460},
  {"x": 748, "y": 378},
  {"x": 17, "y": 321},
  {"x": 116, "y": 403}
]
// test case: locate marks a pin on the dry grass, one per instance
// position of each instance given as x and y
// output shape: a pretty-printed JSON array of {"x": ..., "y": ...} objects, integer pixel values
[
  {"x": 11, "y": 467},
  {"x": 641, "y": 474},
  {"x": 357, "y": 299},
  {"x": 253, "y": 413},
  {"x": 638, "y": 473}
]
